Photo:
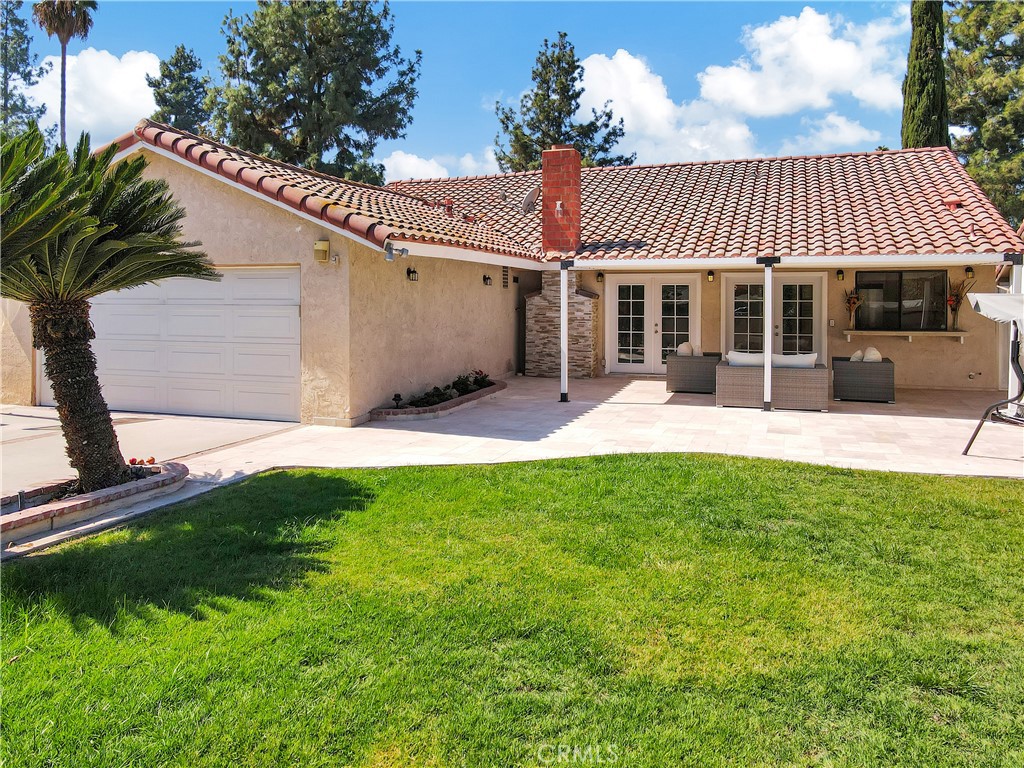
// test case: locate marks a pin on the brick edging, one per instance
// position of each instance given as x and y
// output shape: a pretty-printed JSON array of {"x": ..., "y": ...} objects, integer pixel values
[
  {"x": 171, "y": 472},
  {"x": 396, "y": 414}
]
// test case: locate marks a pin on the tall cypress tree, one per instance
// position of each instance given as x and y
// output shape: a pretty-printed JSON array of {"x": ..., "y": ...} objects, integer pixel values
[
  {"x": 547, "y": 116},
  {"x": 925, "y": 112}
]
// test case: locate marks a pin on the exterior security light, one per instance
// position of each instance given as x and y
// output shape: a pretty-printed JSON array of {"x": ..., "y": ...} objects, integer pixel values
[{"x": 322, "y": 251}]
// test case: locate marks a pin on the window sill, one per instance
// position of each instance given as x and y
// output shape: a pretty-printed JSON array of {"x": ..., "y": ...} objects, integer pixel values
[{"x": 908, "y": 335}]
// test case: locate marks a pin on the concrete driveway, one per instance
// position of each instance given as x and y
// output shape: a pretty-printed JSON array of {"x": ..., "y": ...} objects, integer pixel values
[{"x": 32, "y": 446}]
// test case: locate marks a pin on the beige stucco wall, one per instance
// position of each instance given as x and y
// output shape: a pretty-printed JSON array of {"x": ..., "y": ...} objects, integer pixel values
[
  {"x": 928, "y": 362},
  {"x": 15, "y": 354},
  {"x": 409, "y": 336},
  {"x": 239, "y": 229}
]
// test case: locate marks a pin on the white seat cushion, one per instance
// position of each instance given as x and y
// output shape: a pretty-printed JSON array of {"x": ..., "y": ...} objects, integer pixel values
[
  {"x": 795, "y": 361},
  {"x": 685, "y": 349},
  {"x": 746, "y": 359},
  {"x": 872, "y": 355},
  {"x": 857, "y": 356}
]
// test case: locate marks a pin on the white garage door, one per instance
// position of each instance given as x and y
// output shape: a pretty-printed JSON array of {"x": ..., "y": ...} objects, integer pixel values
[{"x": 227, "y": 348}]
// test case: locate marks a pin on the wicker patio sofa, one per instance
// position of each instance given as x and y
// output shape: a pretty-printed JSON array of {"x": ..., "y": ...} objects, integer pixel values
[
  {"x": 873, "y": 382},
  {"x": 796, "y": 389},
  {"x": 691, "y": 373}
]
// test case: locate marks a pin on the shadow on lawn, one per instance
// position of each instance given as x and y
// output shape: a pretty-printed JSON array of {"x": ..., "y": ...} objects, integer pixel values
[{"x": 234, "y": 543}]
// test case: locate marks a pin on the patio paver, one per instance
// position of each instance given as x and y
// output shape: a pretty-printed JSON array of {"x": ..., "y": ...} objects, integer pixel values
[{"x": 924, "y": 431}]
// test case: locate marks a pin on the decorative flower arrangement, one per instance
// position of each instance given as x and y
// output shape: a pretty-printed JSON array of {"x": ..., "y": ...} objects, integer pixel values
[
  {"x": 853, "y": 300},
  {"x": 957, "y": 293}
]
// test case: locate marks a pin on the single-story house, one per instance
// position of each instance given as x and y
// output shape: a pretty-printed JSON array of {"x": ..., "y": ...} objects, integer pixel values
[{"x": 337, "y": 295}]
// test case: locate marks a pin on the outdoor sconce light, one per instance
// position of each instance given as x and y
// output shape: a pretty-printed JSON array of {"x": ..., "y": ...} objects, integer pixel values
[
  {"x": 322, "y": 251},
  {"x": 600, "y": 277},
  {"x": 390, "y": 252},
  {"x": 711, "y": 275},
  {"x": 487, "y": 280},
  {"x": 412, "y": 274},
  {"x": 969, "y": 272},
  {"x": 840, "y": 275}
]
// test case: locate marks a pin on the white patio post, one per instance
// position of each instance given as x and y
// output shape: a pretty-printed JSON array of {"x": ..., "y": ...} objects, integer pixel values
[
  {"x": 768, "y": 325},
  {"x": 1016, "y": 286},
  {"x": 563, "y": 337}
]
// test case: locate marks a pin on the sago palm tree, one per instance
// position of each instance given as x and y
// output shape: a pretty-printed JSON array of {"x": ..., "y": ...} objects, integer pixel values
[
  {"x": 64, "y": 19},
  {"x": 73, "y": 226}
]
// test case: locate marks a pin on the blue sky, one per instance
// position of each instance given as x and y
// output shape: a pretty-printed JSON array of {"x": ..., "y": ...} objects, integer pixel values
[{"x": 692, "y": 80}]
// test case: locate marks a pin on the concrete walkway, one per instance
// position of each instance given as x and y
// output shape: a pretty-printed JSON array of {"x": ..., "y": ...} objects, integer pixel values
[
  {"x": 32, "y": 446},
  {"x": 925, "y": 431}
]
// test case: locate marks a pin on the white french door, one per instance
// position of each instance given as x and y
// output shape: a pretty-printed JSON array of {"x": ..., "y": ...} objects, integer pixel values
[
  {"x": 798, "y": 322},
  {"x": 648, "y": 317}
]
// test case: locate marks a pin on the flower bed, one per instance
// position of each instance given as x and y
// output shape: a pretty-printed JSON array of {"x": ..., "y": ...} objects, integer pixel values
[
  {"x": 437, "y": 410},
  {"x": 52, "y": 515}
]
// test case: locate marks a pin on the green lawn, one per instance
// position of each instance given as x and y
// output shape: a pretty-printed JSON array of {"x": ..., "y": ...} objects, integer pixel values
[{"x": 661, "y": 610}]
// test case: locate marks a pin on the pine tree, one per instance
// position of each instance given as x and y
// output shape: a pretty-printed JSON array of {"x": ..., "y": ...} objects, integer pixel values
[
  {"x": 180, "y": 93},
  {"x": 316, "y": 85},
  {"x": 925, "y": 113},
  {"x": 985, "y": 68},
  {"x": 18, "y": 69},
  {"x": 547, "y": 115}
]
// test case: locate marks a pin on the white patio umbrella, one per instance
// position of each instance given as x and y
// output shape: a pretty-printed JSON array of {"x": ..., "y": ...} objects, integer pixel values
[{"x": 1001, "y": 307}]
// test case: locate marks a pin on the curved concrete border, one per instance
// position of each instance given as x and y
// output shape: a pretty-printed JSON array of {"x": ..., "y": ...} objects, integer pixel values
[
  {"x": 30, "y": 523},
  {"x": 436, "y": 411}
]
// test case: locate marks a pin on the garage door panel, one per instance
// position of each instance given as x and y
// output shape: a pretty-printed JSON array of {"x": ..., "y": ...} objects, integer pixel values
[
  {"x": 267, "y": 325},
  {"x": 127, "y": 321},
  {"x": 273, "y": 402},
  {"x": 205, "y": 348},
  {"x": 133, "y": 393},
  {"x": 198, "y": 360},
  {"x": 269, "y": 287},
  {"x": 116, "y": 356},
  {"x": 183, "y": 290},
  {"x": 270, "y": 362},
  {"x": 199, "y": 323},
  {"x": 143, "y": 294},
  {"x": 202, "y": 397}
]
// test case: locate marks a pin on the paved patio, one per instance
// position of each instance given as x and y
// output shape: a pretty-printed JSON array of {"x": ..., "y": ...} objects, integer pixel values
[{"x": 925, "y": 431}]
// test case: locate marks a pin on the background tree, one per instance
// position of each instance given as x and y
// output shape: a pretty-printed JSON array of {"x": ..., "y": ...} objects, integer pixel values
[
  {"x": 925, "y": 112},
  {"x": 65, "y": 19},
  {"x": 547, "y": 116},
  {"x": 316, "y": 85},
  {"x": 73, "y": 227},
  {"x": 180, "y": 93},
  {"x": 18, "y": 68},
  {"x": 985, "y": 69}
]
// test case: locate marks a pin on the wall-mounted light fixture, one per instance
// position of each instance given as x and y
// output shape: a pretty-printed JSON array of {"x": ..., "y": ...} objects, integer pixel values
[
  {"x": 711, "y": 275},
  {"x": 487, "y": 280},
  {"x": 969, "y": 272},
  {"x": 412, "y": 274},
  {"x": 322, "y": 251},
  {"x": 840, "y": 275},
  {"x": 600, "y": 277}
]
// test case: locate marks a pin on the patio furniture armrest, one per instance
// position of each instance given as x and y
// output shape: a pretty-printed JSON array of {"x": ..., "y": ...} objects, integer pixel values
[{"x": 691, "y": 373}]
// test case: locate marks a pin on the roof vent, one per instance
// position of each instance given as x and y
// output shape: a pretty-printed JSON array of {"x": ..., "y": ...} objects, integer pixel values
[{"x": 953, "y": 203}]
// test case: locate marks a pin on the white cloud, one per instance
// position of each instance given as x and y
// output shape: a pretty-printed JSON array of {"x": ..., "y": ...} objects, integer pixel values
[
  {"x": 106, "y": 94},
  {"x": 801, "y": 62},
  {"x": 656, "y": 127},
  {"x": 830, "y": 133},
  {"x": 405, "y": 165}
]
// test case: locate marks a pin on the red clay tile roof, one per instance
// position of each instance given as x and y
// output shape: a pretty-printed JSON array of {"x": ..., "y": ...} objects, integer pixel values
[
  {"x": 375, "y": 214},
  {"x": 860, "y": 204}
]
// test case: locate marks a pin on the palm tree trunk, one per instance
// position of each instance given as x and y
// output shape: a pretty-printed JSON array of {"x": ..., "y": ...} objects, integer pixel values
[
  {"x": 63, "y": 90},
  {"x": 63, "y": 331}
]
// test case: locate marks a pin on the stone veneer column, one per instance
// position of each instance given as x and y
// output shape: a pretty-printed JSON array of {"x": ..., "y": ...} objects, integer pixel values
[{"x": 542, "y": 328}]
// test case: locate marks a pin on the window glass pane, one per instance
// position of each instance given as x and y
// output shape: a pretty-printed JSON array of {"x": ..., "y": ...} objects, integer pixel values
[
  {"x": 748, "y": 311},
  {"x": 914, "y": 300}
]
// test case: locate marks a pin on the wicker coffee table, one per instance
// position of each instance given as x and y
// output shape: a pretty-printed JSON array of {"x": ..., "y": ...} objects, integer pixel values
[{"x": 866, "y": 382}]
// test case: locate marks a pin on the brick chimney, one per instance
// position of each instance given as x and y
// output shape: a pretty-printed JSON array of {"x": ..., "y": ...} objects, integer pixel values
[{"x": 560, "y": 199}]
